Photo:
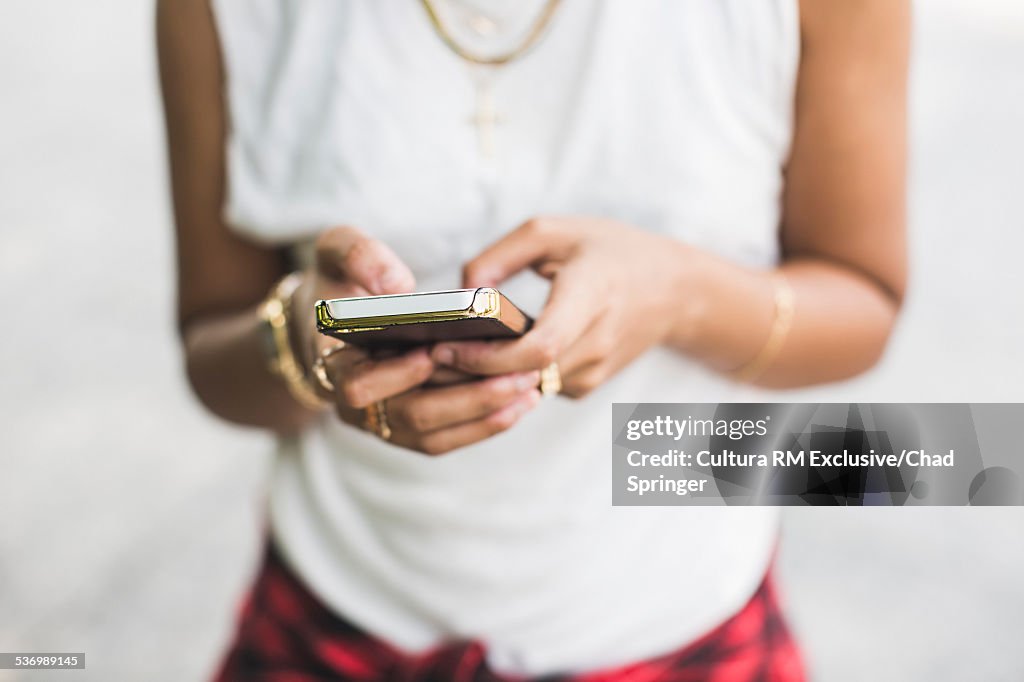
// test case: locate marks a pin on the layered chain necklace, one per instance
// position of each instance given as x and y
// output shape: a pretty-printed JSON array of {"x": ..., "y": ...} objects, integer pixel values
[{"x": 484, "y": 25}]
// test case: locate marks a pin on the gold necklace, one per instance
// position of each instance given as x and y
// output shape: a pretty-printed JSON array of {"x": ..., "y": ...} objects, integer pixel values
[{"x": 531, "y": 38}]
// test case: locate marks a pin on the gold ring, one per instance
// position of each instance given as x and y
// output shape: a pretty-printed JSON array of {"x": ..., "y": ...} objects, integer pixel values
[
  {"x": 320, "y": 367},
  {"x": 377, "y": 420},
  {"x": 550, "y": 380}
]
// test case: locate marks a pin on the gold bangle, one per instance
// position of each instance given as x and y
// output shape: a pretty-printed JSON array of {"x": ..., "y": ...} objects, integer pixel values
[
  {"x": 275, "y": 312},
  {"x": 785, "y": 306}
]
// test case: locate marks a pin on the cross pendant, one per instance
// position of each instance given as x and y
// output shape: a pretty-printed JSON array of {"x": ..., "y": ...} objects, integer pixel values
[{"x": 485, "y": 119}]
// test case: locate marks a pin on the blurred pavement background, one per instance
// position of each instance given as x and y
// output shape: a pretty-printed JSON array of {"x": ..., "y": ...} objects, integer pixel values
[{"x": 129, "y": 520}]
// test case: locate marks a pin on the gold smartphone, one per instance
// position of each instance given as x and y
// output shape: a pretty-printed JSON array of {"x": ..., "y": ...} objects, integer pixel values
[{"x": 415, "y": 319}]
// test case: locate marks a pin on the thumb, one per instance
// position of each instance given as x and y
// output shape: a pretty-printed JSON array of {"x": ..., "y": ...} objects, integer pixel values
[
  {"x": 533, "y": 244},
  {"x": 348, "y": 255}
]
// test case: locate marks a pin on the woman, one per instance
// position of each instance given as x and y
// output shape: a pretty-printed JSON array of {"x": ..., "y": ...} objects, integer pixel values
[{"x": 712, "y": 189}]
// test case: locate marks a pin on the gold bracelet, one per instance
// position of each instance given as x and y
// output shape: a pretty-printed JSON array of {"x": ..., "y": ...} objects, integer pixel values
[
  {"x": 275, "y": 312},
  {"x": 785, "y": 306}
]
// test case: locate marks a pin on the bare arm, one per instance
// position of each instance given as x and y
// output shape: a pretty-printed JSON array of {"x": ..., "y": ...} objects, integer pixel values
[
  {"x": 843, "y": 232},
  {"x": 221, "y": 277}
]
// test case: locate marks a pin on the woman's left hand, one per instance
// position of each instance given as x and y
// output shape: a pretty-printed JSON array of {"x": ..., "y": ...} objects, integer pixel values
[{"x": 614, "y": 294}]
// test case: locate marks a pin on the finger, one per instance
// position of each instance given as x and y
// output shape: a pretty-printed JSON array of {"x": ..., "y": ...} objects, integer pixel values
[
  {"x": 444, "y": 376},
  {"x": 595, "y": 346},
  {"x": 594, "y": 359},
  {"x": 491, "y": 358},
  {"x": 446, "y": 440},
  {"x": 572, "y": 306},
  {"x": 437, "y": 408},
  {"x": 347, "y": 254},
  {"x": 361, "y": 384},
  {"x": 575, "y": 303},
  {"x": 351, "y": 415},
  {"x": 338, "y": 357},
  {"x": 529, "y": 244},
  {"x": 581, "y": 381}
]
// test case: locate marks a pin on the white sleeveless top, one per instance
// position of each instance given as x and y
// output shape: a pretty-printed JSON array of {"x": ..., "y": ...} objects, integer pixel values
[{"x": 672, "y": 115}]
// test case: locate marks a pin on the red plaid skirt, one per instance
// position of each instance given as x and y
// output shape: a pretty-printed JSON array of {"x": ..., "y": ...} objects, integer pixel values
[{"x": 287, "y": 635}]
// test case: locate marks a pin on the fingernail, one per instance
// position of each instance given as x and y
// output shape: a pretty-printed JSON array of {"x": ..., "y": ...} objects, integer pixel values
[
  {"x": 505, "y": 384},
  {"x": 484, "y": 279},
  {"x": 527, "y": 381},
  {"x": 528, "y": 403},
  {"x": 443, "y": 355},
  {"x": 389, "y": 281}
]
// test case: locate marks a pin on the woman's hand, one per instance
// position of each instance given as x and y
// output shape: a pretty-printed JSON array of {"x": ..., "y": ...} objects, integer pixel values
[
  {"x": 421, "y": 414},
  {"x": 614, "y": 294},
  {"x": 427, "y": 418}
]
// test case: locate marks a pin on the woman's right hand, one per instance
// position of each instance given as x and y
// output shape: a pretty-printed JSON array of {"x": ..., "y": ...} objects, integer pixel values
[{"x": 422, "y": 415}]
